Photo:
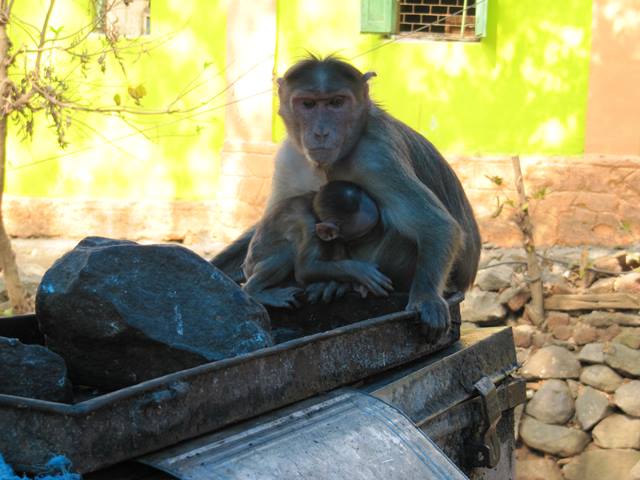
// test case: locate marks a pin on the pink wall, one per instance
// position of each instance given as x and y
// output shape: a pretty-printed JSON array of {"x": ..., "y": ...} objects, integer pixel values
[{"x": 613, "y": 110}]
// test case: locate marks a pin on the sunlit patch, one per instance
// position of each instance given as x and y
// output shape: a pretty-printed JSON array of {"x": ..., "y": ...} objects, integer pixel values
[
  {"x": 541, "y": 77},
  {"x": 572, "y": 36},
  {"x": 551, "y": 133},
  {"x": 622, "y": 17}
]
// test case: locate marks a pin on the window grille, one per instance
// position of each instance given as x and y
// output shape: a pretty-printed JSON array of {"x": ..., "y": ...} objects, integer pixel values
[
  {"x": 124, "y": 18},
  {"x": 448, "y": 19}
]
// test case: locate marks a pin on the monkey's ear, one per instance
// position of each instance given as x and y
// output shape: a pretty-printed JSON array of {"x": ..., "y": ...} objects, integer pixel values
[
  {"x": 327, "y": 231},
  {"x": 369, "y": 75}
]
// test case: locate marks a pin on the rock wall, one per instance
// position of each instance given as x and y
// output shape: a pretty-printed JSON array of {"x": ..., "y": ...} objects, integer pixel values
[
  {"x": 582, "y": 366},
  {"x": 584, "y": 201}
]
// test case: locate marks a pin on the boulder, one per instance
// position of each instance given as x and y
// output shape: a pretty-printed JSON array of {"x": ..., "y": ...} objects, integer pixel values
[
  {"x": 602, "y": 285},
  {"x": 574, "y": 387},
  {"x": 515, "y": 297},
  {"x": 552, "y": 403},
  {"x": 611, "y": 263},
  {"x": 120, "y": 313},
  {"x": 562, "y": 332},
  {"x": 540, "y": 339},
  {"x": 601, "y": 377},
  {"x": 617, "y": 431},
  {"x": 523, "y": 335},
  {"x": 33, "y": 371},
  {"x": 609, "y": 333},
  {"x": 555, "y": 319},
  {"x": 591, "y": 406},
  {"x": 584, "y": 334},
  {"x": 494, "y": 278},
  {"x": 601, "y": 465},
  {"x": 536, "y": 468},
  {"x": 482, "y": 307},
  {"x": 599, "y": 318},
  {"x": 553, "y": 439},
  {"x": 551, "y": 362},
  {"x": 629, "y": 283},
  {"x": 592, "y": 353},
  {"x": 622, "y": 358},
  {"x": 627, "y": 397},
  {"x": 629, "y": 337}
]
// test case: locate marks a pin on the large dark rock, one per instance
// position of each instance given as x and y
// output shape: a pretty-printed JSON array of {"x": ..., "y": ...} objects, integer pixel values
[
  {"x": 120, "y": 312},
  {"x": 32, "y": 371}
]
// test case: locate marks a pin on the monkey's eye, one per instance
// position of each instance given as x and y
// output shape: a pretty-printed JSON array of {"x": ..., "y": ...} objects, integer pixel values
[
  {"x": 336, "y": 102},
  {"x": 308, "y": 103}
]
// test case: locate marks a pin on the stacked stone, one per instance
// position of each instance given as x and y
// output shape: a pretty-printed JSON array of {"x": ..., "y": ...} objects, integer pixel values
[{"x": 582, "y": 416}]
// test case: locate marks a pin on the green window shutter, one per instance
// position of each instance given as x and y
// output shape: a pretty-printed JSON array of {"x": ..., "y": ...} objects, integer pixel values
[
  {"x": 378, "y": 16},
  {"x": 481, "y": 18}
]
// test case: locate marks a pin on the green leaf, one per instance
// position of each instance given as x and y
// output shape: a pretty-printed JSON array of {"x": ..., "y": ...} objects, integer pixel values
[
  {"x": 495, "y": 179},
  {"x": 141, "y": 91},
  {"x": 541, "y": 194},
  {"x": 137, "y": 93},
  {"x": 117, "y": 99},
  {"x": 625, "y": 226}
]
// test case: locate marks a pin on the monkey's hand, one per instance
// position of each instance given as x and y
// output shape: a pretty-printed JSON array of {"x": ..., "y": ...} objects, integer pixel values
[
  {"x": 286, "y": 297},
  {"x": 368, "y": 275},
  {"x": 326, "y": 291},
  {"x": 434, "y": 314}
]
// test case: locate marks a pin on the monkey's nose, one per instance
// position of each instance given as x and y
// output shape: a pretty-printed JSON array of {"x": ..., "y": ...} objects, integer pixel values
[{"x": 321, "y": 136}]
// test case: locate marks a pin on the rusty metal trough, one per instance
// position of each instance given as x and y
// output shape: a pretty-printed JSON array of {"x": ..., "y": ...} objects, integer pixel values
[{"x": 130, "y": 422}]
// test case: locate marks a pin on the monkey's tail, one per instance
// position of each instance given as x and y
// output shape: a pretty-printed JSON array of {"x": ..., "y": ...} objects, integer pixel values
[{"x": 231, "y": 258}]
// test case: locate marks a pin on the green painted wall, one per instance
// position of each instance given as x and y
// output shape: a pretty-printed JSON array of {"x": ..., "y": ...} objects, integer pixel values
[
  {"x": 523, "y": 89},
  {"x": 176, "y": 156}
]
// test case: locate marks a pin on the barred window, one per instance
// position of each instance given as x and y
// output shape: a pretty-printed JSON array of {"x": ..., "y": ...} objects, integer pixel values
[
  {"x": 124, "y": 18},
  {"x": 446, "y": 19}
]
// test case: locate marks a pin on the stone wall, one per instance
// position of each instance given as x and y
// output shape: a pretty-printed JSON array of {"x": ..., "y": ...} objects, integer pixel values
[
  {"x": 582, "y": 365},
  {"x": 589, "y": 200}
]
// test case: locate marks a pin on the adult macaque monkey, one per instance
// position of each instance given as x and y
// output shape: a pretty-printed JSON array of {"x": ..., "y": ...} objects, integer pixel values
[{"x": 335, "y": 132}]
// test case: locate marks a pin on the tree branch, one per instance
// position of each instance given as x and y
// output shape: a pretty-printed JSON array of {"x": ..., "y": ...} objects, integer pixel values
[{"x": 43, "y": 37}]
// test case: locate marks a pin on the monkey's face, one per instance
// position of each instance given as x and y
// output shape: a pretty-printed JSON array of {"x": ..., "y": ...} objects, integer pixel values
[
  {"x": 326, "y": 124},
  {"x": 324, "y": 104}
]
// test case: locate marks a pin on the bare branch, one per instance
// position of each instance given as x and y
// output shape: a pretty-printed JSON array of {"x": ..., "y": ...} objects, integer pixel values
[{"x": 43, "y": 36}]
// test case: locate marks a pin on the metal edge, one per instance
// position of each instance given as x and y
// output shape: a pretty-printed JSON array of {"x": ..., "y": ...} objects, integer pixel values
[{"x": 105, "y": 400}]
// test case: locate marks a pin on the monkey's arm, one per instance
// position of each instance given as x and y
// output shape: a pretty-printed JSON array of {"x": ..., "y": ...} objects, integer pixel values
[
  {"x": 311, "y": 267},
  {"x": 271, "y": 271},
  {"x": 364, "y": 273},
  {"x": 408, "y": 206}
]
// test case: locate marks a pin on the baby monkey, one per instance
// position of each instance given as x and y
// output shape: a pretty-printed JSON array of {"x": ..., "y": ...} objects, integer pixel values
[{"x": 308, "y": 236}]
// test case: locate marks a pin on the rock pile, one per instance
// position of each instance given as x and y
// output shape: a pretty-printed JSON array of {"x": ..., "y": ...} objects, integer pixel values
[{"x": 582, "y": 364}]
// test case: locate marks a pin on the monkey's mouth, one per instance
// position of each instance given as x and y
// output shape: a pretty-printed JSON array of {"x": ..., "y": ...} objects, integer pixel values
[{"x": 321, "y": 156}]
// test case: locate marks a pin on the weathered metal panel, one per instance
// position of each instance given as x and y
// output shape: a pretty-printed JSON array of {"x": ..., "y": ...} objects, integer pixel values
[
  {"x": 145, "y": 417},
  {"x": 439, "y": 394},
  {"x": 349, "y": 435}
]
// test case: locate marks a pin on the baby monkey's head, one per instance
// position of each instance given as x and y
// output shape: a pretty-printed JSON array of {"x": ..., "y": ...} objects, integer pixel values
[{"x": 344, "y": 210}]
